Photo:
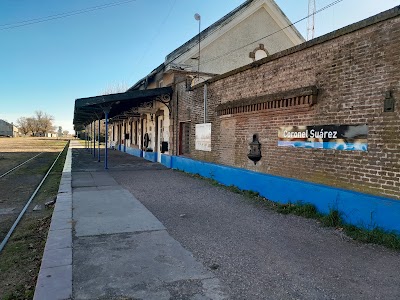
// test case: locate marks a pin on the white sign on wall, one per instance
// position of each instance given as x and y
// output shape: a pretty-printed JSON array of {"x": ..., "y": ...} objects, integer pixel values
[{"x": 203, "y": 137}]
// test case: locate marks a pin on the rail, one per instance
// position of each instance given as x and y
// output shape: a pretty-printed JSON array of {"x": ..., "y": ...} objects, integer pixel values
[
  {"x": 21, "y": 214},
  {"x": 20, "y": 165}
]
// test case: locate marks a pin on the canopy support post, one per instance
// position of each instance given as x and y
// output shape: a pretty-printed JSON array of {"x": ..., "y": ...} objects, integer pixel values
[
  {"x": 94, "y": 139},
  {"x": 98, "y": 135},
  {"x": 106, "y": 112},
  {"x": 87, "y": 138},
  {"x": 90, "y": 139}
]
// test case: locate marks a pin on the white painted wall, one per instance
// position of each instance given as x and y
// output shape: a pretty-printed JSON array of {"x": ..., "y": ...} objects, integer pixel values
[{"x": 254, "y": 27}]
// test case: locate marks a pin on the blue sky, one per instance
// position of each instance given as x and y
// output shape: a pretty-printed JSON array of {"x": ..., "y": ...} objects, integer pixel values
[{"x": 46, "y": 66}]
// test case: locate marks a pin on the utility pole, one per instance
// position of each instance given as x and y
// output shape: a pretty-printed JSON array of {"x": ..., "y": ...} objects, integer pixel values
[
  {"x": 311, "y": 19},
  {"x": 198, "y": 18}
]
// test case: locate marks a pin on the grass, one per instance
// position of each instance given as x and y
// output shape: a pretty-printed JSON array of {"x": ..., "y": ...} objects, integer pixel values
[
  {"x": 14, "y": 151},
  {"x": 21, "y": 258},
  {"x": 375, "y": 236},
  {"x": 46, "y": 159},
  {"x": 9, "y": 160},
  {"x": 303, "y": 210},
  {"x": 333, "y": 219},
  {"x": 31, "y": 144}
]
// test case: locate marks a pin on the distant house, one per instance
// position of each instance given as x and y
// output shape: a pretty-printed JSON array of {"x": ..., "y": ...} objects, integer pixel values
[{"x": 8, "y": 129}]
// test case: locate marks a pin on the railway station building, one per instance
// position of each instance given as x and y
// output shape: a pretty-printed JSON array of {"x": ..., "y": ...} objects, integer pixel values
[{"x": 314, "y": 122}]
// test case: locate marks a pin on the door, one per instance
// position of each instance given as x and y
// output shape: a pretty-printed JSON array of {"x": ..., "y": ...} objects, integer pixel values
[{"x": 184, "y": 138}]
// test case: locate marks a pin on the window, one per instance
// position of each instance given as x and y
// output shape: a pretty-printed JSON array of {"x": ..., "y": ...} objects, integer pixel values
[{"x": 258, "y": 53}]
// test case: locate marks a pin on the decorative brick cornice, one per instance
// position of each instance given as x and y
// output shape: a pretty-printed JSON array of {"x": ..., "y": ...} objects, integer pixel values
[{"x": 306, "y": 96}]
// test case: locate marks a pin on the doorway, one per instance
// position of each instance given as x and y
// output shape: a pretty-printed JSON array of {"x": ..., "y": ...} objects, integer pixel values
[
  {"x": 159, "y": 136},
  {"x": 184, "y": 138}
]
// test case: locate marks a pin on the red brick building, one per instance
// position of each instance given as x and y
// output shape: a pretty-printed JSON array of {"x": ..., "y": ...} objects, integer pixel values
[{"x": 342, "y": 78}]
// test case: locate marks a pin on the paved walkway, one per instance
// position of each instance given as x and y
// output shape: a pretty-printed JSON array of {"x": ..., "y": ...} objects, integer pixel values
[{"x": 142, "y": 231}]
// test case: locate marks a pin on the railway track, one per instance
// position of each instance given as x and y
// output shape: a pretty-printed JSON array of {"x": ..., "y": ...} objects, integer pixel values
[
  {"x": 32, "y": 196},
  {"x": 20, "y": 165}
]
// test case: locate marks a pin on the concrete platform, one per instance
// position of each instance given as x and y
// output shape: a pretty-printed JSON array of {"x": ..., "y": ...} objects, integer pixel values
[
  {"x": 120, "y": 249},
  {"x": 146, "y": 265},
  {"x": 110, "y": 211},
  {"x": 55, "y": 275}
]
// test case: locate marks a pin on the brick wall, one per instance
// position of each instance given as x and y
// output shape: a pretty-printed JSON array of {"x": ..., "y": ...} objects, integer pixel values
[{"x": 352, "y": 68}]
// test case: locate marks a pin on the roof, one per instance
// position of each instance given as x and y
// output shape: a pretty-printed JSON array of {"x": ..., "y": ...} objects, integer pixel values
[
  {"x": 222, "y": 22},
  {"x": 192, "y": 42},
  {"x": 144, "y": 79},
  {"x": 208, "y": 32},
  {"x": 5, "y": 122},
  {"x": 91, "y": 109}
]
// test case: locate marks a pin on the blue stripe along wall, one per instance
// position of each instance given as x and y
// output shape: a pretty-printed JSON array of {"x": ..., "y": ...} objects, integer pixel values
[
  {"x": 359, "y": 209},
  {"x": 151, "y": 156},
  {"x": 134, "y": 151}
]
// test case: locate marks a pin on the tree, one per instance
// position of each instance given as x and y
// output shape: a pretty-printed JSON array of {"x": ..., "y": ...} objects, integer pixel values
[
  {"x": 39, "y": 123},
  {"x": 23, "y": 125},
  {"x": 32, "y": 125},
  {"x": 44, "y": 122},
  {"x": 114, "y": 88}
]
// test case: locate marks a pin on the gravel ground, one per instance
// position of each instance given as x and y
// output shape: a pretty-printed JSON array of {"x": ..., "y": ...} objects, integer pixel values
[{"x": 257, "y": 253}]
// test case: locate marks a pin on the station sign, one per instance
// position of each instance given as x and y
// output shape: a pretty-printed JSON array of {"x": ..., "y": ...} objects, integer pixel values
[{"x": 338, "y": 137}]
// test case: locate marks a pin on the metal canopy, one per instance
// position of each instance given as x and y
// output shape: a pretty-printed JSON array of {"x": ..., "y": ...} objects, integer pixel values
[{"x": 90, "y": 109}]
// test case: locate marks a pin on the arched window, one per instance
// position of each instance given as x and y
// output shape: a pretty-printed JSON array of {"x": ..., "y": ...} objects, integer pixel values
[{"x": 258, "y": 53}]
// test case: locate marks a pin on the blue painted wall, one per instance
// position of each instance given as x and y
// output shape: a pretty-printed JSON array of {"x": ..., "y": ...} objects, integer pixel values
[
  {"x": 359, "y": 209},
  {"x": 166, "y": 160},
  {"x": 134, "y": 152},
  {"x": 151, "y": 156}
]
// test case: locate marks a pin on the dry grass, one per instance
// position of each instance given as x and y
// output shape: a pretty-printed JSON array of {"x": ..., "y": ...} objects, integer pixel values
[
  {"x": 30, "y": 144},
  {"x": 14, "y": 151}
]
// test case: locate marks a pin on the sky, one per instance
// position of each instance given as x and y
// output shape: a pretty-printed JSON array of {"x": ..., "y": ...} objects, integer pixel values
[{"x": 48, "y": 64}]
